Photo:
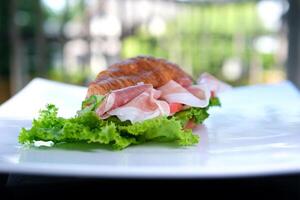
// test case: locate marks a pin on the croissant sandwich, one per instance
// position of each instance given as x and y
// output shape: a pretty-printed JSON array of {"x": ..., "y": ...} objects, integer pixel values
[
  {"x": 145, "y": 87},
  {"x": 134, "y": 101}
]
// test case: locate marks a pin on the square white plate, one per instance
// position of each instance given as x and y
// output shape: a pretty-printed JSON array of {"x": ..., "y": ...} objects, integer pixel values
[{"x": 255, "y": 132}]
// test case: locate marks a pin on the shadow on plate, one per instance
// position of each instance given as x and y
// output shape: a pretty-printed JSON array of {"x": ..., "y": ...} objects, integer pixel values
[{"x": 92, "y": 147}]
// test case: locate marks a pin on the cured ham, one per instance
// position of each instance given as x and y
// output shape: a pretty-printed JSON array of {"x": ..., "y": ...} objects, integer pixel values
[
  {"x": 120, "y": 97},
  {"x": 215, "y": 86},
  {"x": 144, "y": 106},
  {"x": 195, "y": 96},
  {"x": 140, "y": 102}
]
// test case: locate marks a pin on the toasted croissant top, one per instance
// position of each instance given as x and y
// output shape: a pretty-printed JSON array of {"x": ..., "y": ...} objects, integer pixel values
[{"x": 139, "y": 69}]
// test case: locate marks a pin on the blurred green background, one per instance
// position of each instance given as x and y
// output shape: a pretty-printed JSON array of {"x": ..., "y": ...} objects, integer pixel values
[{"x": 240, "y": 42}]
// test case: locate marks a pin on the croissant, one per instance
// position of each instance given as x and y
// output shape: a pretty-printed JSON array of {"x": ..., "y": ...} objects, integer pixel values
[{"x": 144, "y": 69}]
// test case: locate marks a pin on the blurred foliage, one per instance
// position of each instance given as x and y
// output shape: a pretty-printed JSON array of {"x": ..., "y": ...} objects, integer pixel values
[
  {"x": 73, "y": 78},
  {"x": 72, "y": 10},
  {"x": 268, "y": 60},
  {"x": 201, "y": 38}
]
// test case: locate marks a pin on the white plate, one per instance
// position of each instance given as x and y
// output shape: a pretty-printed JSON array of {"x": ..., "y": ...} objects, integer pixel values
[{"x": 255, "y": 132}]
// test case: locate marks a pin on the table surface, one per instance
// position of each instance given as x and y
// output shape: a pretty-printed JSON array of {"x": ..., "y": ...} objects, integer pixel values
[{"x": 269, "y": 187}]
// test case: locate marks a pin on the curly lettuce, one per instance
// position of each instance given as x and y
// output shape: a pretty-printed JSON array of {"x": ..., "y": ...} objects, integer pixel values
[
  {"x": 87, "y": 127},
  {"x": 198, "y": 115}
]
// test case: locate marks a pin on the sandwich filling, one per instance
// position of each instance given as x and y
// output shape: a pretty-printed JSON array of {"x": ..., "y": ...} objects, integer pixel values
[{"x": 132, "y": 115}]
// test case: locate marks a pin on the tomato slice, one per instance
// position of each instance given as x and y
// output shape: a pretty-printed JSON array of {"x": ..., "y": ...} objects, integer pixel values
[
  {"x": 212, "y": 94},
  {"x": 190, "y": 124},
  {"x": 175, "y": 107}
]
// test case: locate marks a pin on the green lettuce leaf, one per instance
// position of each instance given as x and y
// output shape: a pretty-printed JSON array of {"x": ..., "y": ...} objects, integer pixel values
[
  {"x": 91, "y": 104},
  {"x": 87, "y": 127},
  {"x": 197, "y": 114},
  {"x": 214, "y": 101}
]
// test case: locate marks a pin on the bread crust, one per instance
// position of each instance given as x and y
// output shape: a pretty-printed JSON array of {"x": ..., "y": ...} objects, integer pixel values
[{"x": 148, "y": 70}]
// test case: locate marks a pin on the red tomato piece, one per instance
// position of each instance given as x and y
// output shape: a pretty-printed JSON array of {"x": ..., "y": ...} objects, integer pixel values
[
  {"x": 175, "y": 107},
  {"x": 190, "y": 124}
]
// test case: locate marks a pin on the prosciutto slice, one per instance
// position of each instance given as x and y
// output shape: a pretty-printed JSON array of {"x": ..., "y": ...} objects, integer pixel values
[
  {"x": 142, "y": 107},
  {"x": 120, "y": 97},
  {"x": 141, "y": 102},
  {"x": 194, "y": 95},
  {"x": 215, "y": 86}
]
